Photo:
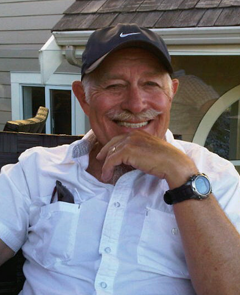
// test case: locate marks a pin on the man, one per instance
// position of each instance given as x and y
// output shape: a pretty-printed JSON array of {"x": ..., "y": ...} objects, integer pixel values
[{"x": 130, "y": 212}]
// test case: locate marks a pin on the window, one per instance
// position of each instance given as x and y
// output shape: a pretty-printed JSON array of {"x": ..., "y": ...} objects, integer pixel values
[
  {"x": 219, "y": 129},
  {"x": 65, "y": 114},
  {"x": 224, "y": 136},
  {"x": 58, "y": 102},
  {"x": 206, "y": 108}
]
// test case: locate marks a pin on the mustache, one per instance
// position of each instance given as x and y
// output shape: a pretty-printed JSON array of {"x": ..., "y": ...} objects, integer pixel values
[{"x": 128, "y": 116}]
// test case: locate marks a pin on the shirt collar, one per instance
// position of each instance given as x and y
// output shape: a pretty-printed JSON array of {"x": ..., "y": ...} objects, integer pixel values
[
  {"x": 79, "y": 148},
  {"x": 84, "y": 146},
  {"x": 169, "y": 136}
]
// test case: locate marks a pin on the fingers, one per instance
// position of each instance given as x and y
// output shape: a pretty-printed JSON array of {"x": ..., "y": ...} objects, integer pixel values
[
  {"x": 109, "y": 148},
  {"x": 113, "y": 155},
  {"x": 133, "y": 149}
]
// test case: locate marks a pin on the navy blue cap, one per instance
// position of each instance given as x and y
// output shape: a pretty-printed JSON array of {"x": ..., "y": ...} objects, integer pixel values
[{"x": 109, "y": 39}]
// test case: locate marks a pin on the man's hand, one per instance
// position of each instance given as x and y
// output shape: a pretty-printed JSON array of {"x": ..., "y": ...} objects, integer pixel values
[{"x": 149, "y": 154}]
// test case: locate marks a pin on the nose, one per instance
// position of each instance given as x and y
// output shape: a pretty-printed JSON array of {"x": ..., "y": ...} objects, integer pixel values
[{"x": 134, "y": 100}]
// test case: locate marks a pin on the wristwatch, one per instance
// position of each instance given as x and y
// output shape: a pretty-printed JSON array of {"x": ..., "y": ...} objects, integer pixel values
[{"x": 197, "y": 187}]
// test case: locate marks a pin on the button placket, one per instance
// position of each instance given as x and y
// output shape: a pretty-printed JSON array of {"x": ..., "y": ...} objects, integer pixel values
[
  {"x": 114, "y": 218},
  {"x": 110, "y": 237}
]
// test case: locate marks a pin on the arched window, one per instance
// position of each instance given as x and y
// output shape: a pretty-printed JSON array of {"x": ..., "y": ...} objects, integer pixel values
[{"x": 219, "y": 129}]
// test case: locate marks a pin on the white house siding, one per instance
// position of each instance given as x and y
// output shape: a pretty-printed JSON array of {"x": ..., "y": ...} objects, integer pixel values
[{"x": 25, "y": 26}]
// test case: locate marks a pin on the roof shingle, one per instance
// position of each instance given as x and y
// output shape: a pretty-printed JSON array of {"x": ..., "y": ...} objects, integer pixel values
[{"x": 93, "y": 14}]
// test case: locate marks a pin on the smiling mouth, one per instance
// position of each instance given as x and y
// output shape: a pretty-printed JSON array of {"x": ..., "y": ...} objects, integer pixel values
[
  {"x": 127, "y": 119},
  {"x": 132, "y": 125}
]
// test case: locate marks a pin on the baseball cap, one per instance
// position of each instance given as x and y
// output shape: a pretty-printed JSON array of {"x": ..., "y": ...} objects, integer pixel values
[{"x": 106, "y": 40}]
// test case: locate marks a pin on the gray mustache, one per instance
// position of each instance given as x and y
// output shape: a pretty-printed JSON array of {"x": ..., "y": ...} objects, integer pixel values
[{"x": 128, "y": 116}]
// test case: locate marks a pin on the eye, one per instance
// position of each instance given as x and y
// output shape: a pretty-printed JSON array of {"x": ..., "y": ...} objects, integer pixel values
[
  {"x": 151, "y": 83},
  {"x": 115, "y": 87},
  {"x": 112, "y": 86}
]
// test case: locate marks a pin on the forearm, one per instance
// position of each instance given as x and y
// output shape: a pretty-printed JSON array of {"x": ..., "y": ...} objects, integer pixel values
[{"x": 211, "y": 245}]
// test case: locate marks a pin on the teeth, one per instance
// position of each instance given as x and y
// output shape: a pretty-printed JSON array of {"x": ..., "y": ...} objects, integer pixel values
[{"x": 132, "y": 125}]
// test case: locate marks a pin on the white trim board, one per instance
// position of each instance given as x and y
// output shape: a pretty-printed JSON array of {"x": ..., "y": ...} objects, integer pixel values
[{"x": 175, "y": 36}]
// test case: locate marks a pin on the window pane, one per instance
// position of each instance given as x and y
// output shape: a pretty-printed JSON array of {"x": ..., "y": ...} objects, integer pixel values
[
  {"x": 218, "y": 138},
  {"x": 61, "y": 111},
  {"x": 33, "y": 98},
  {"x": 224, "y": 136}
]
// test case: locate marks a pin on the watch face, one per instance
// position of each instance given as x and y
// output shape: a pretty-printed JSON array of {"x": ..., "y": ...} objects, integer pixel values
[{"x": 202, "y": 185}]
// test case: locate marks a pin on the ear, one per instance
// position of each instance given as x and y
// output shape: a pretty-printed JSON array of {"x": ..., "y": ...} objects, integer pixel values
[
  {"x": 78, "y": 90},
  {"x": 175, "y": 84}
]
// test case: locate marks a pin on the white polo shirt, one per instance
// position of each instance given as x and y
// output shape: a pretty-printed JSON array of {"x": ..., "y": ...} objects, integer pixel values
[{"x": 114, "y": 240}]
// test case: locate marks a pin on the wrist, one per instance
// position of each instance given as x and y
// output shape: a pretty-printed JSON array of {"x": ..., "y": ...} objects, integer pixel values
[
  {"x": 180, "y": 178},
  {"x": 197, "y": 187}
]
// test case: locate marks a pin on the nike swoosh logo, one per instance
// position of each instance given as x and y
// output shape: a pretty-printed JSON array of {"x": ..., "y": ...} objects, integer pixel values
[{"x": 122, "y": 35}]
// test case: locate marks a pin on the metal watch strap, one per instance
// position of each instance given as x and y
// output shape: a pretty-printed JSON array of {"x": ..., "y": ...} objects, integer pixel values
[{"x": 179, "y": 194}]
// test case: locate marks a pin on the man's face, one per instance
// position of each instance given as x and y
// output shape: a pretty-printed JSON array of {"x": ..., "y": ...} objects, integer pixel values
[{"x": 133, "y": 81}]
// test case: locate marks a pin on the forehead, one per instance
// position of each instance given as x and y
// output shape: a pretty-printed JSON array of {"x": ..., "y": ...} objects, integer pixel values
[{"x": 129, "y": 57}]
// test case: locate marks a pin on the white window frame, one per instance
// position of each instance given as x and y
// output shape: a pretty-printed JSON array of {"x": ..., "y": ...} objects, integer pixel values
[{"x": 57, "y": 81}]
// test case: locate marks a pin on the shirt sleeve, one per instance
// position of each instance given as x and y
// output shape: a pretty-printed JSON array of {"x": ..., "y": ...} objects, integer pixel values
[
  {"x": 226, "y": 188},
  {"x": 224, "y": 178},
  {"x": 14, "y": 206}
]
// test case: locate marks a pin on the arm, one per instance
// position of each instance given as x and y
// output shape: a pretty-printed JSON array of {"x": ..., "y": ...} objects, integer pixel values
[
  {"x": 5, "y": 252},
  {"x": 14, "y": 204},
  {"x": 211, "y": 243}
]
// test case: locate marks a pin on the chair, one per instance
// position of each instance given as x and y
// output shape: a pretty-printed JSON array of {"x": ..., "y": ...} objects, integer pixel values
[
  {"x": 12, "y": 144},
  {"x": 32, "y": 125}
]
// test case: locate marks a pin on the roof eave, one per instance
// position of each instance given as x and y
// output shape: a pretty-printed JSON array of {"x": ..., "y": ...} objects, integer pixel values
[
  {"x": 176, "y": 36},
  {"x": 72, "y": 43}
]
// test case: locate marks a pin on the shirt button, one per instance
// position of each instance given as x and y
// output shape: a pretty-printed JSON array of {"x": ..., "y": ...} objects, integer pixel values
[
  {"x": 103, "y": 285},
  {"x": 117, "y": 204},
  {"x": 174, "y": 231},
  {"x": 107, "y": 250}
]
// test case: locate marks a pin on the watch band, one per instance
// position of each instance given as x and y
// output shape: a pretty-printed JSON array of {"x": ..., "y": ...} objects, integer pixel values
[{"x": 179, "y": 194}]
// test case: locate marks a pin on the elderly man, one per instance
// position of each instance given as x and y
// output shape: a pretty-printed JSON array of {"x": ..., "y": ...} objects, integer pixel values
[{"x": 128, "y": 209}]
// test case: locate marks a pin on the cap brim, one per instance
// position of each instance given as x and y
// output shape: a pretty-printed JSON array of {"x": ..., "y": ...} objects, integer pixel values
[{"x": 138, "y": 44}]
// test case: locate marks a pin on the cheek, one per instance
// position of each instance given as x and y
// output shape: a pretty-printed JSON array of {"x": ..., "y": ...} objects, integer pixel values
[
  {"x": 163, "y": 104},
  {"x": 102, "y": 102},
  {"x": 98, "y": 114}
]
